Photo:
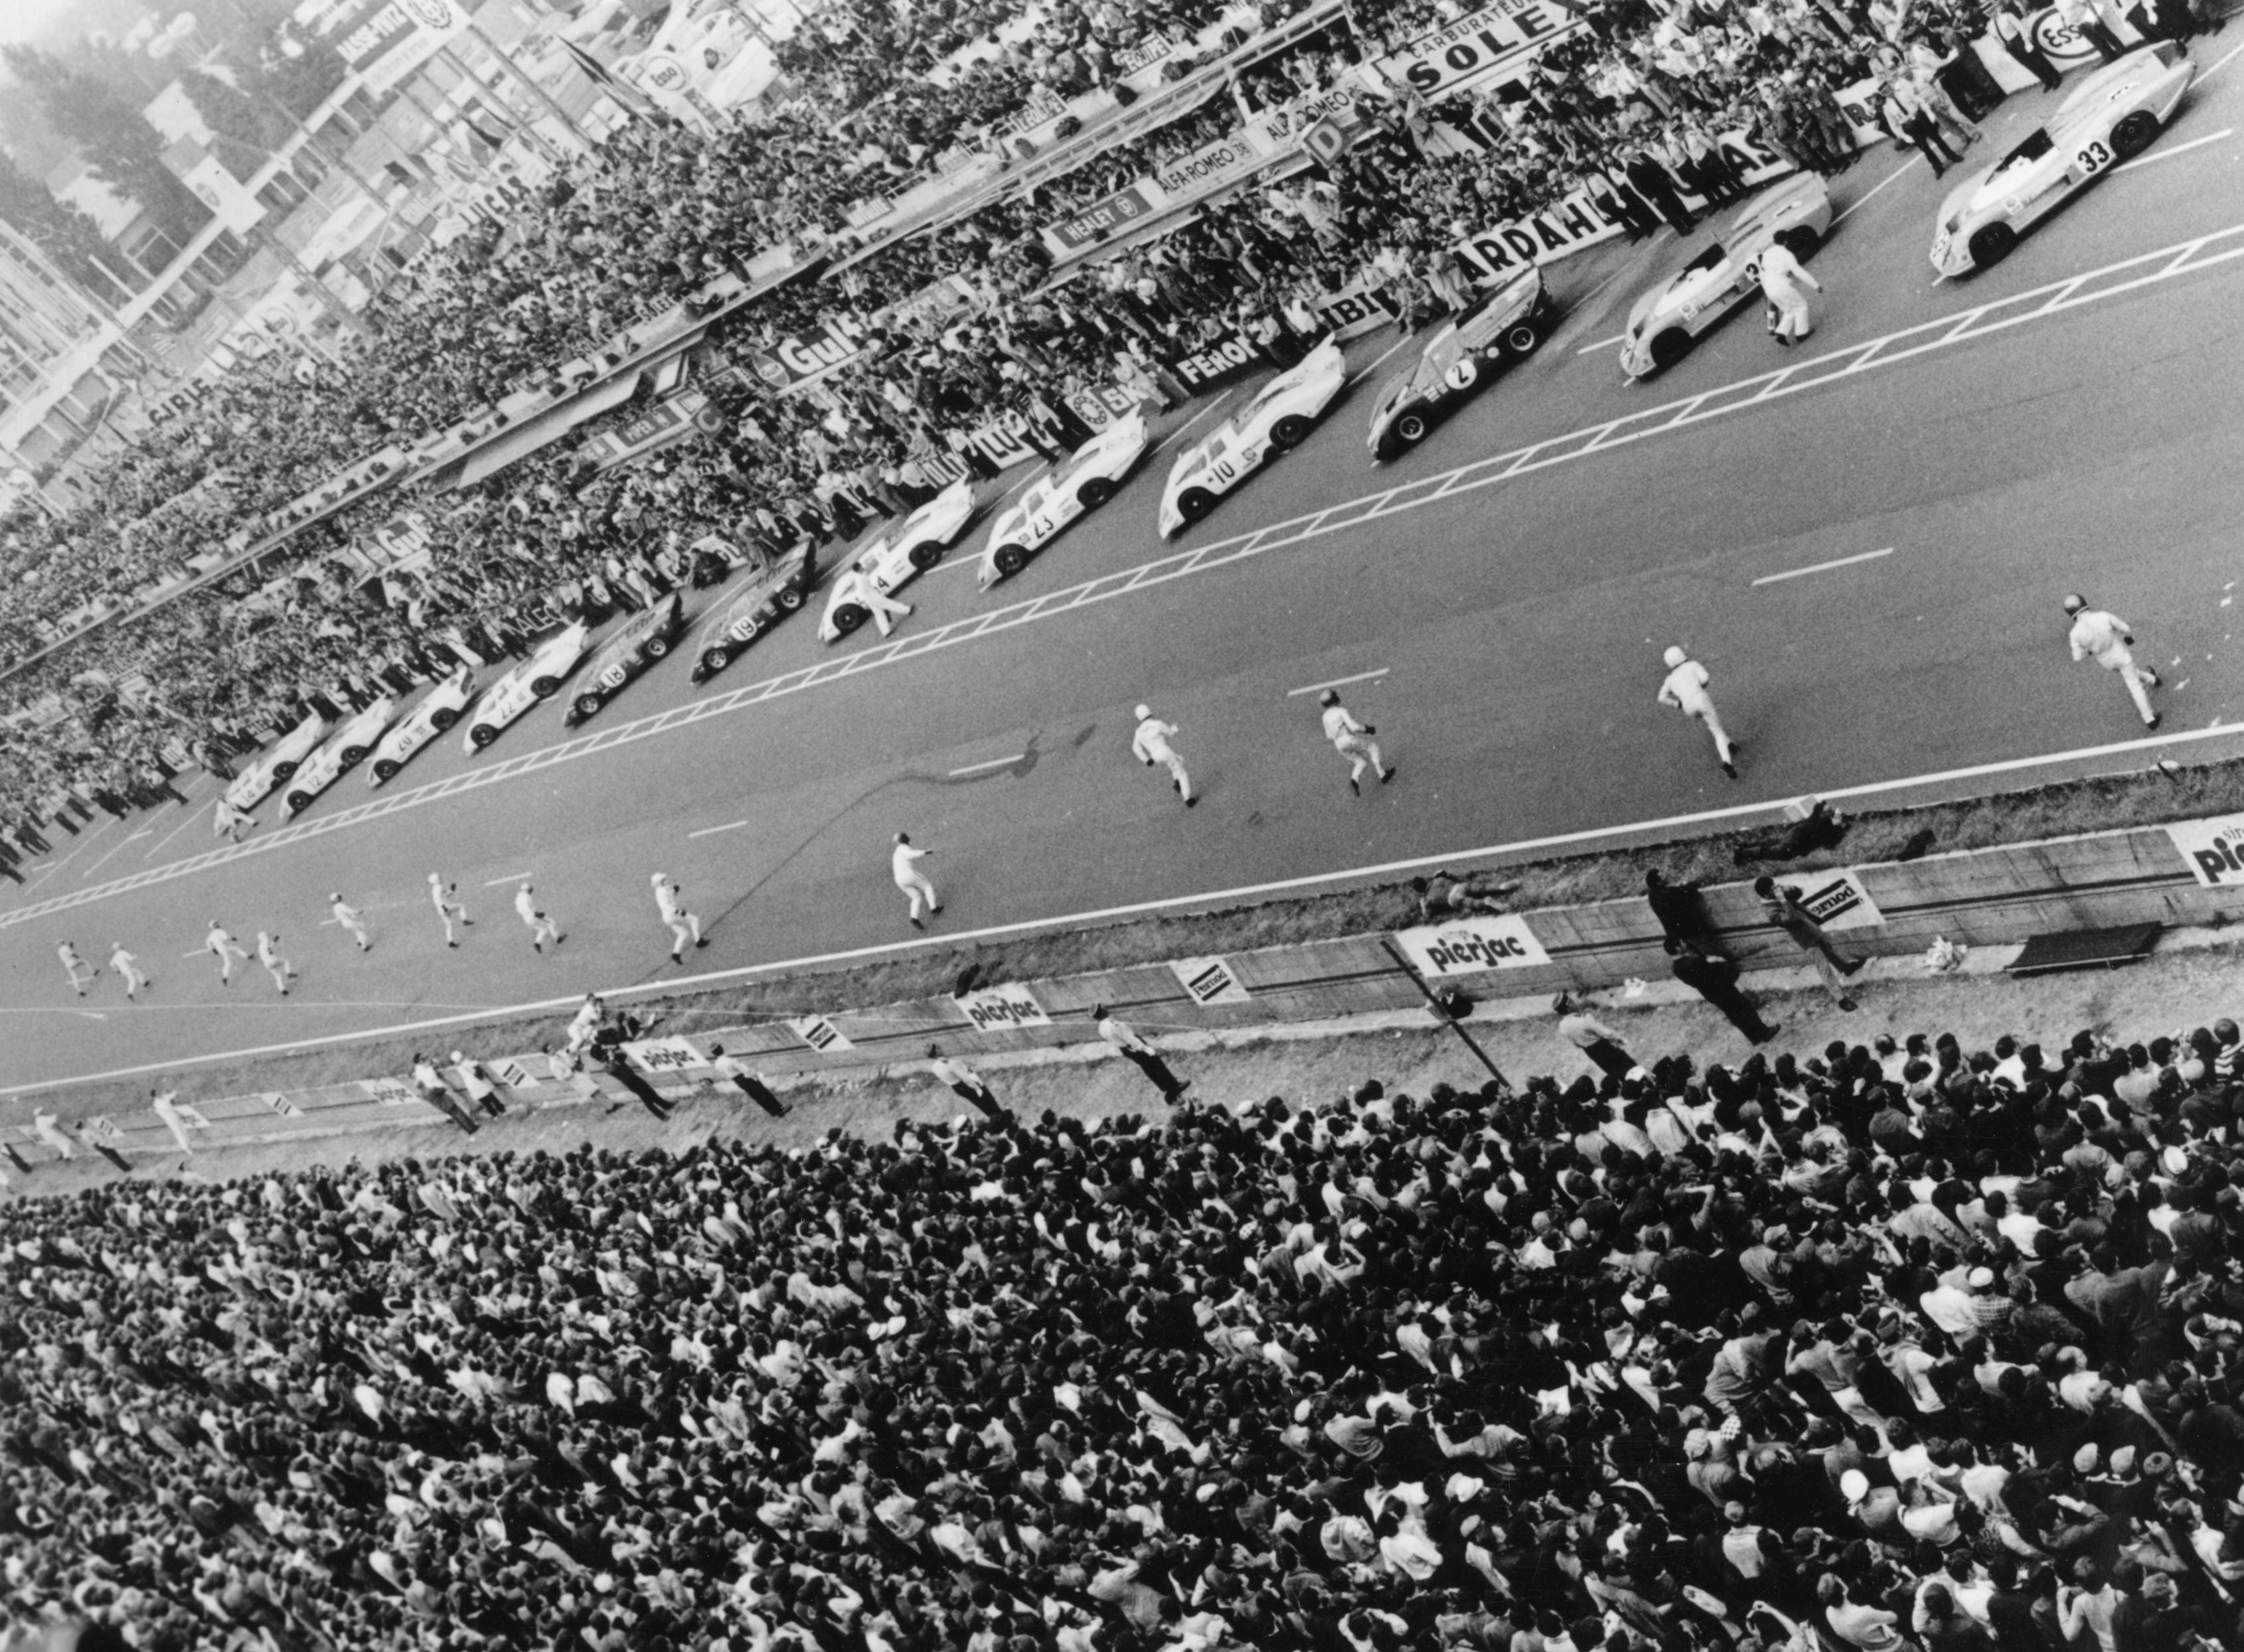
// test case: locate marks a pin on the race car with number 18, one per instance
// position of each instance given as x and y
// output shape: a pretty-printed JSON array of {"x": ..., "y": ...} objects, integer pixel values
[{"x": 640, "y": 641}]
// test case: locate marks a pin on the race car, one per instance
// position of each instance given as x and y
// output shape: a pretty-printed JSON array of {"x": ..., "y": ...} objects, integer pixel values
[
  {"x": 898, "y": 556},
  {"x": 254, "y": 784},
  {"x": 345, "y": 749},
  {"x": 640, "y": 641},
  {"x": 1278, "y": 418},
  {"x": 1498, "y": 327},
  {"x": 537, "y": 678},
  {"x": 1668, "y": 319},
  {"x": 2112, "y": 116},
  {"x": 439, "y": 709},
  {"x": 1084, "y": 481},
  {"x": 768, "y": 598}
]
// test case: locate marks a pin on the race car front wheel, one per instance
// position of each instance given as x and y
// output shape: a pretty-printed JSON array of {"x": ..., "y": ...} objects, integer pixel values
[
  {"x": 587, "y": 704},
  {"x": 848, "y": 619},
  {"x": 386, "y": 769},
  {"x": 1011, "y": 559},
  {"x": 1290, "y": 431},
  {"x": 1195, "y": 503},
  {"x": 1095, "y": 492},
  {"x": 482, "y": 734},
  {"x": 1991, "y": 244},
  {"x": 1410, "y": 430},
  {"x": 444, "y": 718},
  {"x": 2133, "y": 134},
  {"x": 1669, "y": 347}
]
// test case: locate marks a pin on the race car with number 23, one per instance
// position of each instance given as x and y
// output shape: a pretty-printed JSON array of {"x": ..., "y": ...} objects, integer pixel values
[
  {"x": 2109, "y": 119},
  {"x": 642, "y": 639},
  {"x": 1084, "y": 481},
  {"x": 1280, "y": 417},
  {"x": 537, "y": 678}
]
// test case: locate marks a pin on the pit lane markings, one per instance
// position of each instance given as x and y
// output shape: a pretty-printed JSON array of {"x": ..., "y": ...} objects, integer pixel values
[
  {"x": 1190, "y": 422},
  {"x": 1856, "y": 205},
  {"x": 1821, "y": 568},
  {"x": 2226, "y": 59},
  {"x": 98, "y": 865},
  {"x": 711, "y": 832},
  {"x": 1997, "y": 315},
  {"x": 1339, "y": 682},
  {"x": 1373, "y": 367},
  {"x": 2172, "y": 150},
  {"x": 1666, "y": 825},
  {"x": 994, "y": 763},
  {"x": 512, "y": 877}
]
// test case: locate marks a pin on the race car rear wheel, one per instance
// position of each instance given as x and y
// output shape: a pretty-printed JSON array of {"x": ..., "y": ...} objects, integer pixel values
[
  {"x": 1410, "y": 429},
  {"x": 353, "y": 756},
  {"x": 1991, "y": 243},
  {"x": 1521, "y": 338},
  {"x": 656, "y": 646},
  {"x": 1290, "y": 432},
  {"x": 282, "y": 771},
  {"x": 1195, "y": 503},
  {"x": 2133, "y": 134},
  {"x": 482, "y": 734},
  {"x": 849, "y": 618},
  {"x": 299, "y": 801},
  {"x": 1800, "y": 240},
  {"x": 790, "y": 599},
  {"x": 1011, "y": 559},
  {"x": 1095, "y": 492},
  {"x": 443, "y": 720},
  {"x": 543, "y": 687},
  {"x": 387, "y": 769},
  {"x": 1669, "y": 347},
  {"x": 587, "y": 704},
  {"x": 925, "y": 557}
]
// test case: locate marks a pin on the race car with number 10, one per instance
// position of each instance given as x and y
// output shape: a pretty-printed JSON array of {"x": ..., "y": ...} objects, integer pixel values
[{"x": 1280, "y": 417}]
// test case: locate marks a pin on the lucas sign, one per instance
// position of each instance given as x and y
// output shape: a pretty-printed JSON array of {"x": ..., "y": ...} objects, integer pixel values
[{"x": 1471, "y": 946}]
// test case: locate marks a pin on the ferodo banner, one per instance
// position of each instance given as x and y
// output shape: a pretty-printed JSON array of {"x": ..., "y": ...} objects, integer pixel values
[
  {"x": 1574, "y": 222},
  {"x": 1479, "y": 48},
  {"x": 995, "y": 1008},
  {"x": 1472, "y": 945},
  {"x": 1217, "y": 362}
]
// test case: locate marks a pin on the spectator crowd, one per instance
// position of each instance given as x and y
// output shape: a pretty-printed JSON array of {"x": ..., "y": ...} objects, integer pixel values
[
  {"x": 1630, "y": 108},
  {"x": 1898, "y": 1347}
]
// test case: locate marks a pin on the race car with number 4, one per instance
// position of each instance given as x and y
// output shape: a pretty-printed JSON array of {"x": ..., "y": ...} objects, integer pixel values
[
  {"x": 344, "y": 749},
  {"x": 1666, "y": 322},
  {"x": 898, "y": 557},
  {"x": 767, "y": 599},
  {"x": 642, "y": 639},
  {"x": 1280, "y": 416},
  {"x": 1084, "y": 481},
  {"x": 537, "y": 678},
  {"x": 1501, "y": 326},
  {"x": 254, "y": 784},
  {"x": 439, "y": 709},
  {"x": 2111, "y": 116}
]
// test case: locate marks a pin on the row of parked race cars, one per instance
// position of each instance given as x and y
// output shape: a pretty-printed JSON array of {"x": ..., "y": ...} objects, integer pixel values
[{"x": 2108, "y": 117}]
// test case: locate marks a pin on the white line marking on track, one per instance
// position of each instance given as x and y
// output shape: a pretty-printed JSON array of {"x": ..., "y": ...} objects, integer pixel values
[
  {"x": 1338, "y": 682},
  {"x": 1373, "y": 367},
  {"x": 1211, "y": 408},
  {"x": 194, "y": 815},
  {"x": 711, "y": 832},
  {"x": 2227, "y": 58},
  {"x": 994, "y": 763},
  {"x": 1603, "y": 344},
  {"x": 1820, "y": 568},
  {"x": 1530, "y": 846},
  {"x": 2172, "y": 150},
  {"x": 1855, "y": 207},
  {"x": 2166, "y": 263},
  {"x": 112, "y": 849},
  {"x": 512, "y": 877}
]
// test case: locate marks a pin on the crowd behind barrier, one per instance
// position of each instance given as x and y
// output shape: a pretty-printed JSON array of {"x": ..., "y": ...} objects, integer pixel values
[
  {"x": 1625, "y": 109},
  {"x": 1898, "y": 1346}
]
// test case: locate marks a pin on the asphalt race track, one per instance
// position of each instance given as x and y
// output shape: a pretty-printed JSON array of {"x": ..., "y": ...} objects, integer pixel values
[{"x": 2069, "y": 424}]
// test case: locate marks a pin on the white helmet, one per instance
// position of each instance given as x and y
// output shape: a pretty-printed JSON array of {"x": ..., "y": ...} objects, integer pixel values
[
  {"x": 657, "y": 880},
  {"x": 1143, "y": 712},
  {"x": 1675, "y": 656},
  {"x": 437, "y": 877}
]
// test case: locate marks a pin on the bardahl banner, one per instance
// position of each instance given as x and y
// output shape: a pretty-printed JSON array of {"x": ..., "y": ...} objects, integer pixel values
[
  {"x": 1465, "y": 54},
  {"x": 1472, "y": 945},
  {"x": 995, "y": 1008}
]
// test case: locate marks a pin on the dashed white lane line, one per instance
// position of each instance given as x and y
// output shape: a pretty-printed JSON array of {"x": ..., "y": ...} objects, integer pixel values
[
  {"x": 1338, "y": 682},
  {"x": 512, "y": 877},
  {"x": 113, "y": 848},
  {"x": 711, "y": 832},
  {"x": 194, "y": 815},
  {"x": 1856, "y": 205},
  {"x": 1603, "y": 344},
  {"x": 1666, "y": 825},
  {"x": 2227, "y": 58},
  {"x": 1824, "y": 567},
  {"x": 2172, "y": 150},
  {"x": 994, "y": 763}
]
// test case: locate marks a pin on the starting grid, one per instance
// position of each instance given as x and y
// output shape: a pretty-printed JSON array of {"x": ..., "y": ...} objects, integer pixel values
[{"x": 2112, "y": 281}]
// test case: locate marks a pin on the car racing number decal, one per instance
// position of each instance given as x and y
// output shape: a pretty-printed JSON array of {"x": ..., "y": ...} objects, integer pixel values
[
  {"x": 2093, "y": 158},
  {"x": 613, "y": 676}
]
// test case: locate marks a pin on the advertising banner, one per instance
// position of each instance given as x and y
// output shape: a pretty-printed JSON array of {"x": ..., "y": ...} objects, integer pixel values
[
  {"x": 1216, "y": 363},
  {"x": 819, "y": 1034},
  {"x": 1099, "y": 221},
  {"x": 1214, "y": 166},
  {"x": 1471, "y": 946},
  {"x": 1210, "y": 981},
  {"x": 655, "y": 428},
  {"x": 2214, "y": 848},
  {"x": 1352, "y": 310},
  {"x": 384, "y": 41},
  {"x": 1478, "y": 49},
  {"x": 1837, "y": 900},
  {"x": 995, "y": 1008},
  {"x": 391, "y": 1092},
  {"x": 800, "y": 360},
  {"x": 665, "y": 1055}
]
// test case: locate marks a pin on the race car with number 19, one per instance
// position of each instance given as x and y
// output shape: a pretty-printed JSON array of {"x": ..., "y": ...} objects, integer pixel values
[
  {"x": 1279, "y": 417},
  {"x": 768, "y": 598}
]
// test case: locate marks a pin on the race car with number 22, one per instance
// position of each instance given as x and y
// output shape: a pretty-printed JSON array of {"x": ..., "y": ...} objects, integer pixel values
[
  {"x": 1280, "y": 417},
  {"x": 537, "y": 678}
]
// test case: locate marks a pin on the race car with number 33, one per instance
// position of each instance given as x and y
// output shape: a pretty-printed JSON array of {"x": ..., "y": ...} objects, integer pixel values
[
  {"x": 439, "y": 709},
  {"x": 2110, "y": 118},
  {"x": 1666, "y": 322},
  {"x": 537, "y": 678},
  {"x": 1084, "y": 481},
  {"x": 1280, "y": 417}
]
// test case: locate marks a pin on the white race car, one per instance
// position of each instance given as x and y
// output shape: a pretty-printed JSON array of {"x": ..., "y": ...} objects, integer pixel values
[
  {"x": 2111, "y": 116},
  {"x": 254, "y": 783},
  {"x": 535, "y": 678},
  {"x": 1279, "y": 417},
  {"x": 898, "y": 556},
  {"x": 1084, "y": 481},
  {"x": 437, "y": 711},
  {"x": 1666, "y": 321},
  {"x": 345, "y": 749}
]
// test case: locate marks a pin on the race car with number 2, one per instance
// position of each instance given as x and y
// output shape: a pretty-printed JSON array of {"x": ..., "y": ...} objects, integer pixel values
[
  {"x": 2110, "y": 118},
  {"x": 1501, "y": 326},
  {"x": 1280, "y": 417}
]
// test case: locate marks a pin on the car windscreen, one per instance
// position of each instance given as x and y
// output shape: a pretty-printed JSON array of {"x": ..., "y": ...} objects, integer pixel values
[
  {"x": 2037, "y": 144},
  {"x": 1705, "y": 260}
]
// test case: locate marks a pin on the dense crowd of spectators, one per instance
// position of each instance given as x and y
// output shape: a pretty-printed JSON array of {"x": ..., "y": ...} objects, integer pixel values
[
  {"x": 1628, "y": 111},
  {"x": 1898, "y": 1347}
]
